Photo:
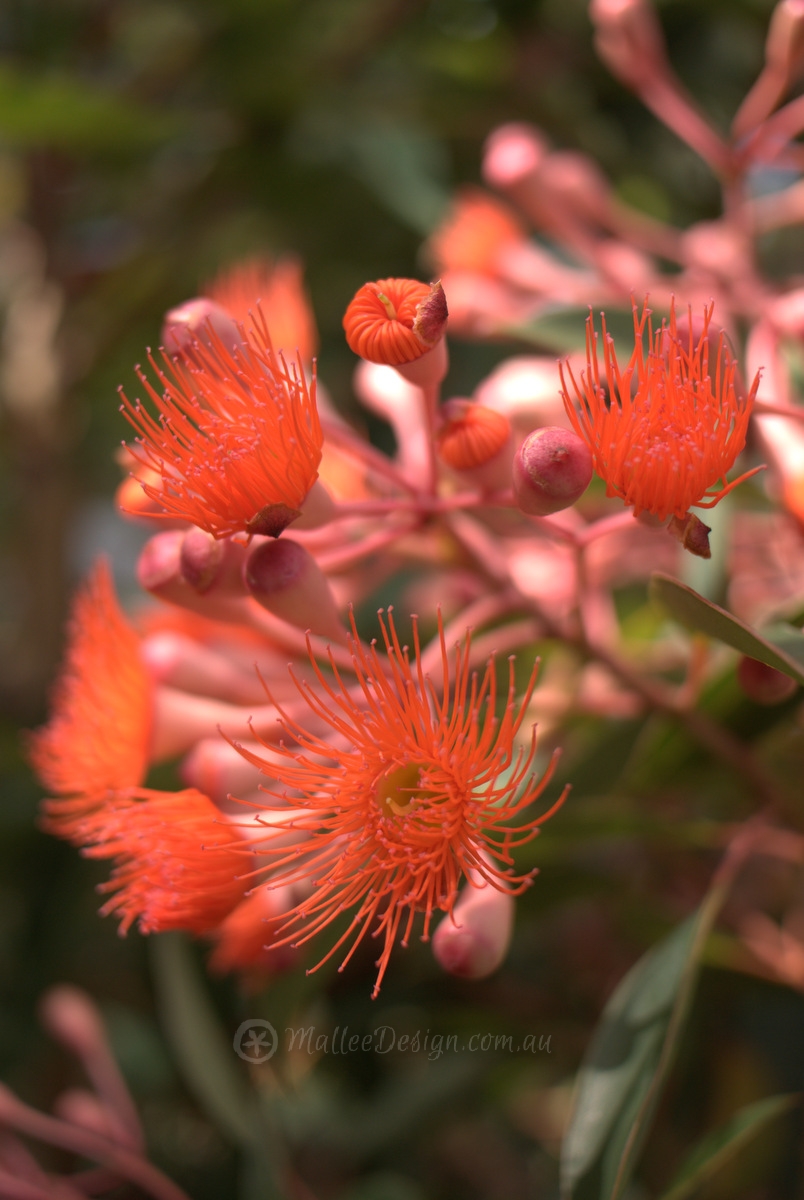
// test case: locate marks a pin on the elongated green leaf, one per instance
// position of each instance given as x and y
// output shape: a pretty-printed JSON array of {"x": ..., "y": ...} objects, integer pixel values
[
  {"x": 621, "y": 1079},
  {"x": 63, "y": 111},
  {"x": 564, "y": 330},
  {"x": 203, "y": 1050},
  {"x": 781, "y": 646},
  {"x": 714, "y": 1150}
]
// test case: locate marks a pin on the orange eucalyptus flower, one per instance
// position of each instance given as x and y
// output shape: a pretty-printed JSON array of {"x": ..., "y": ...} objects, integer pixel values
[
  {"x": 476, "y": 230},
  {"x": 395, "y": 321},
  {"x": 415, "y": 790},
  {"x": 178, "y": 865},
  {"x": 279, "y": 290},
  {"x": 237, "y": 440},
  {"x": 97, "y": 740},
  {"x": 664, "y": 431}
]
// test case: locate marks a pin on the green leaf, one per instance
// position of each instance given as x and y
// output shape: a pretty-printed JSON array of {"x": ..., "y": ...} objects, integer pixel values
[
  {"x": 203, "y": 1050},
  {"x": 564, "y": 330},
  {"x": 780, "y": 646},
  {"x": 63, "y": 111},
  {"x": 717, "y": 1147},
  {"x": 620, "y": 1082}
]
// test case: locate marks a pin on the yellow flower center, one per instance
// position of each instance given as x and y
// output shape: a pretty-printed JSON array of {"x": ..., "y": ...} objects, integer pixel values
[{"x": 396, "y": 790}]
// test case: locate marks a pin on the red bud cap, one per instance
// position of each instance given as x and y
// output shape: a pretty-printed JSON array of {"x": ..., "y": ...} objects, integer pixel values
[
  {"x": 692, "y": 533},
  {"x": 552, "y": 469},
  {"x": 195, "y": 321},
  {"x": 287, "y": 581},
  {"x": 764, "y": 684}
]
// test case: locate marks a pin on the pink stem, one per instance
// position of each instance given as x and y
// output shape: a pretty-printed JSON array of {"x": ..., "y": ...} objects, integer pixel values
[{"x": 89, "y": 1145}]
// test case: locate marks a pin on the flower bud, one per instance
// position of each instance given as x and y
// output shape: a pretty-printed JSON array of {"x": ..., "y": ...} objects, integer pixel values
[
  {"x": 629, "y": 40},
  {"x": 286, "y": 580},
  {"x": 513, "y": 152},
  {"x": 477, "y": 442},
  {"x": 197, "y": 321},
  {"x": 400, "y": 322},
  {"x": 764, "y": 684},
  {"x": 552, "y": 469},
  {"x": 207, "y": 562},
  {"x": 473, "y": 942}
]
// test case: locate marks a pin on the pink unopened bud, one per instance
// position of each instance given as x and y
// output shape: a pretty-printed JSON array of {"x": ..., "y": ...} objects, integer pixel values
[
  {"x": 764, "y": 684},
  {"x": 473, "y": 942},
  {"x": 207, "y": 562},
  {"x": 218, "y": 770},
  {"x": 195, "y": 321},
  {"x": 287, "y": 581},
  {"x": 552, "y": 469},
  {"x": 159, "y": 571},
  {"x": 784, "y": 52},
  {"x": 80, "y": 1107},
  {"x": 513, "y": 153},
  {"x": 69, "y": 1015},
  {"x": 477, "y": 442},
  {"x": 629, "y": 39}
]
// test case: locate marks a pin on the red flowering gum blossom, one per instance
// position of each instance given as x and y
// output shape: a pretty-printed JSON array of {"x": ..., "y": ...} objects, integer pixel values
[
  {"x": 395, "y": 321},
  {"x": 664, "y": 430},
  {"x": 422, "y": 782},
  {"x": 552, "y": 470},
  {"x": 237, "y": 441},
  {"x": 178, "y": 865},
  {"x": 97, "y": 740}
]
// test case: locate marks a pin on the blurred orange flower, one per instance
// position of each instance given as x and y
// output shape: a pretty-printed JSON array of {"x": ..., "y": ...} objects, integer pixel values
[
  {"x": 98, "y": 738},
  {"x": 476, "y": 229},
  {"x": 278, "y": 288}
]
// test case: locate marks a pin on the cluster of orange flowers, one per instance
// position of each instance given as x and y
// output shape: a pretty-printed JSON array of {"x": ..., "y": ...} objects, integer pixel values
[{"x": 392, "y": 776}]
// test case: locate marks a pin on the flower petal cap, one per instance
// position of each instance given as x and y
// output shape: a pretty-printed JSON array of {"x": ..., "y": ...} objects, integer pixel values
[
  {"x": 664, "y": 430},
  {"x": 237, "y": 440},
  {"x": 395, "y": 321}
]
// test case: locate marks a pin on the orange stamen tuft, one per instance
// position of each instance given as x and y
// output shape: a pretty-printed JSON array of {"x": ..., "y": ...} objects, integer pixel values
[
  {"x": 395, "y": 321},
  {"x": 104, "y": 688},
  {"x": 178, "y": 865},
  {"x": 417, "y": 789},
  {"x": 668, "y": 427},
  {"x": 237, "y": 442}
]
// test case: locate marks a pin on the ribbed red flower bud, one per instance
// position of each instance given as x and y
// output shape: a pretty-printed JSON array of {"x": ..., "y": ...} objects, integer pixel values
[
  {"x": 401, "y": 323},
  {"x": 477, "y": 442},
  {"x": 552, "y": 469},
  {"x": 764, "y": 684}
]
